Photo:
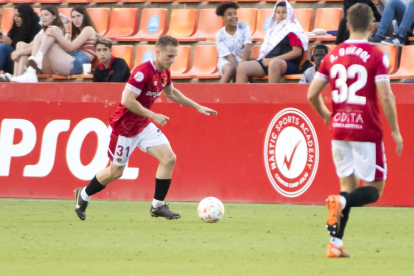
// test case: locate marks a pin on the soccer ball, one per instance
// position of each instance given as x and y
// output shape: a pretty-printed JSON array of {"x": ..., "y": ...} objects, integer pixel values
[{"x": 210, "y": 210}]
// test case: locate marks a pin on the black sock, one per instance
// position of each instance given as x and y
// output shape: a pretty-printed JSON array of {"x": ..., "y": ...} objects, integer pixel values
[
  {"x": 344, "y": 219},
  {"x": 161, "y": 188},
  {"x": 361, "y": 196},
  {"x": 94, "y": 187}
]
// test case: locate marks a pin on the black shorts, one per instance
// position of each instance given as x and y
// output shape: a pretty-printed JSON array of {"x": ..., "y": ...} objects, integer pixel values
[{"x": 292, "y": 68}]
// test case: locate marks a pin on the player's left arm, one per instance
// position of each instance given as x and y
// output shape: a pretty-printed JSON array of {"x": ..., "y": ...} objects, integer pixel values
[
  {"x": 315, "y": 98},
  {"x": 175, "y": 95}
]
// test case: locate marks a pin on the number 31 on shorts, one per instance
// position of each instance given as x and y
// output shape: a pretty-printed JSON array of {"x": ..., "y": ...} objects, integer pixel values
[{"x": 120, "y": 151}]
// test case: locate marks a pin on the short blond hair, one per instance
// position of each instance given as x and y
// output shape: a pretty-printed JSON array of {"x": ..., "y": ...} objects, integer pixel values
[
  {"x": 360, "y": 17},
  {"x": 166, "y": 40},
  {"x": 104, "y": 41}
]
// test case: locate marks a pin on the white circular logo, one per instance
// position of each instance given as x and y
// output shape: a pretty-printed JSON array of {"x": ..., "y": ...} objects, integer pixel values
[
  {"x": 386, "y": 60},
  {"x": 291, "y": 152},
  {"x": 139, "y": 76}
]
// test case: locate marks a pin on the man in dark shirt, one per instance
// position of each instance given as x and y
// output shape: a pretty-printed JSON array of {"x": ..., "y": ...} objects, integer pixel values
[{"x": 111, "y": 69}]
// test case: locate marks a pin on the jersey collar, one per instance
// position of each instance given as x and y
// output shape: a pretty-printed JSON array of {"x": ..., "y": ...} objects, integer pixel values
[
  {"x": 356, "y": 41},
  {"x": 102, "y": 67}
]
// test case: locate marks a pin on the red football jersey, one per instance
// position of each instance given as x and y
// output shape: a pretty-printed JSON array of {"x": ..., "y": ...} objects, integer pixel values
[
  {"x": 148, "y": 84},
  {"x": 352, "y": 69}
]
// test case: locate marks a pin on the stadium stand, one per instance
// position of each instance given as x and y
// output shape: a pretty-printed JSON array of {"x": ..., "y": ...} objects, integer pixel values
[
  {"x": 153, "y": 24},
  {"x": 196, "y": 25},
  {"x": 124, "y": 51},
  {"x": 208, "y": 26},
  {"x": 263, "y": 19},
  {"x": 204, "y": 64},
  {"x": 182, "y": 62},
  {"x": 328, "y": 19},
  {"x": 143, "y": 53},
  {"x": 183, "y": 23},
  {"x": 305, "y": 17},
  {"x": 249, "y": 16},
  {"x": 100, "y": 18},
  {"x": 406, "y": 69},
  {"x": 7, "y": 20},
  {"x": 392, "y": 53},
  {"x": 123, "y": 23}
]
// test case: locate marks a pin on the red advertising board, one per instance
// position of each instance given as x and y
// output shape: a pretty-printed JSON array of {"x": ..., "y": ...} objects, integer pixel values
[{"x": 267, "y": 144}]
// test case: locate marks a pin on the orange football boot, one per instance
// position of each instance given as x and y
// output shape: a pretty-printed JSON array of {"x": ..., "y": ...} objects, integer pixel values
[
  {"x": 334, "y": 214},
  {"x": 336, "y": 252}
]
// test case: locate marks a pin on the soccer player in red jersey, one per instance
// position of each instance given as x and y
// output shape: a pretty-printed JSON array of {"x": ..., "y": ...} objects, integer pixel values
[
  {"x": 356, "y": 71},
  {"x": 130, "y": 127}
]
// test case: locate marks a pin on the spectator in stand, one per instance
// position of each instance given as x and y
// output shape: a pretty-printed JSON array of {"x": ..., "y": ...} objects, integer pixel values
[
  {"x": 111, "y": 69},
  {"x": 404, "y": 14},
  {"x": 50, "y": 17},
  {"x": 282, "y": 48},
  {"x": 318, "y": 53},
  {"x": 25, "y": 27},
  {"x": 343, "y": 32},
  {"x": 63, "y": 57},
  {"x": 234, "y": 43}
]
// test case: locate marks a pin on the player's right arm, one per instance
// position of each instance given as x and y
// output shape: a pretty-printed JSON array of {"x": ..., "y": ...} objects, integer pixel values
[
  {"x": 315, "y": 98},
  {"x": 388, "y": 105},
  {"x": 130, "y": 102}
]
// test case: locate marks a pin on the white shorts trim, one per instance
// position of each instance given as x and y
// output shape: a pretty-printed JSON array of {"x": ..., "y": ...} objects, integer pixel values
[{"x": 359, "y": 158}]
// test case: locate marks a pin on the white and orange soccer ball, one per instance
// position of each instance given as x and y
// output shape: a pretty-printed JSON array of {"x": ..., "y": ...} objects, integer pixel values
[{"x": 210, "y": 210}]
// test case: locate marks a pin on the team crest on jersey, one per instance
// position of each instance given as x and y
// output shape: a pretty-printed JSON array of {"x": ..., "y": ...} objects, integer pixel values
[
  {"x": 119, "y": 159},
  {"x": 291, "y": 152},
  {"x": 139, "y": 76}
]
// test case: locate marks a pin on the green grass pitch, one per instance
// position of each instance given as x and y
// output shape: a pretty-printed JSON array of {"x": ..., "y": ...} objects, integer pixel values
[{"x": 45, "y": 237}]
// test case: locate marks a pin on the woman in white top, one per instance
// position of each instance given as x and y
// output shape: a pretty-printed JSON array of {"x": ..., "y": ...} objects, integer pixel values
[{"x": 233, "y": 41}]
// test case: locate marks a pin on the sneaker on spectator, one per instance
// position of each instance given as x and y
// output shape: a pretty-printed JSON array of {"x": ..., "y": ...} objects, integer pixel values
[
  {"x": 8, "y": 77},
  {"x": 3, "y": 78},
  {"x": 28, "y": 76},
  {"x": 394, "y": 41},
  {"x": 36, "y": 63},
  {"x": 376, "y": 39}
]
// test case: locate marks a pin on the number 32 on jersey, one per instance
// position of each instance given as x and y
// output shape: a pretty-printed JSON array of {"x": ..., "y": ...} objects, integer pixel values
[{"x": 343, "y": 92}]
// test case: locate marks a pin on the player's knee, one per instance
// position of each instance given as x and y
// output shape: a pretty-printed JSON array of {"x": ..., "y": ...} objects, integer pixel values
[
  {"x": 169, "y": 160},
  {"x": 117, "y": 172}
]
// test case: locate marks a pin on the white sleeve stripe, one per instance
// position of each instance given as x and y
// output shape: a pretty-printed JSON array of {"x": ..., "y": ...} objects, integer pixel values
[
  {"x": 133, "y": 89},
  {"x": 321, "y": 76},
  {"x": 382, "y": 78}
]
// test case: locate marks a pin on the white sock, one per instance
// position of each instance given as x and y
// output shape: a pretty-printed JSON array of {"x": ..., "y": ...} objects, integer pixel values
[
  {"x": 157, "y": 203},
  {"x": 337, "y": 242},
  {"x": 39, "y": 56},
  {"x": 84, "y": 195},
  {"x": 343, "y": 202}
]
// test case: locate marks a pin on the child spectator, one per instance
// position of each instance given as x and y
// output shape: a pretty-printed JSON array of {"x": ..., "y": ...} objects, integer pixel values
[
  {"x": 234, "y": 43},
  {"x": 25, "y": 27},
  {"x": 282, "y": 48},
  {"x": 111, "y": 69},
  {"x": 50, "y": 17},
  {"x": 318, "y": 53},
  {"x": 62, "y": 56}
]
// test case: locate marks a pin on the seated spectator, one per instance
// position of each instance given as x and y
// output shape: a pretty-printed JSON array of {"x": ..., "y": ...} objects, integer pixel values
[
  {"x": 343, "y": 32},
  {"x": 282, "y": 48},
  {"x": 63, "y": 57},
  {"x": 319, "y": 52},
  {"x": 25, "y": 27},
  {"x": 50, "y": 17},
  {"x": 234, "y": 43},
  {"x": 404, "y": 14},
  {"x": 112, "y": 69}
]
